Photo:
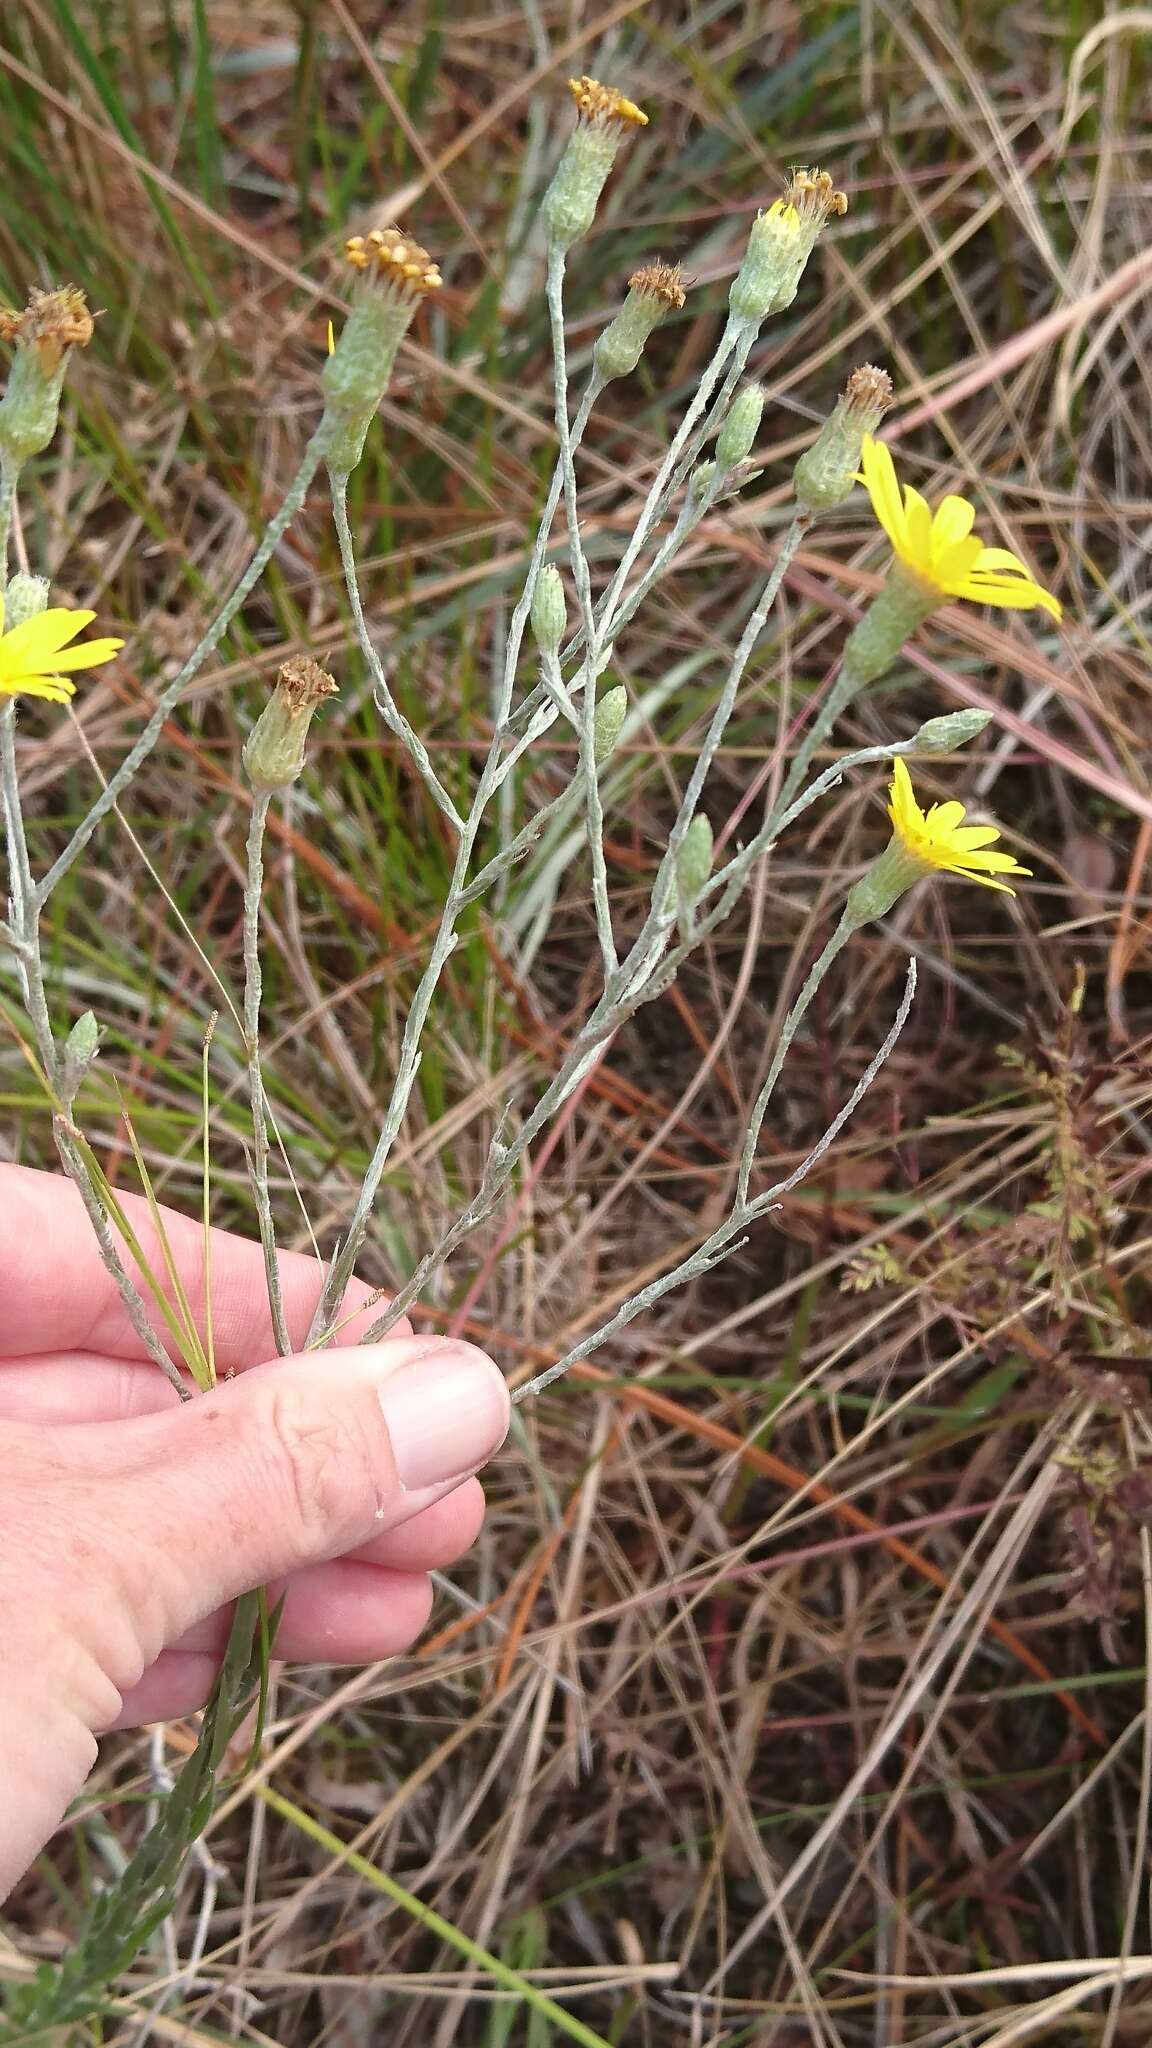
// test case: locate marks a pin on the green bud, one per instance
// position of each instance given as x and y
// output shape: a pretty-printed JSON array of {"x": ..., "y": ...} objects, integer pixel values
[
  {"x": 943, "y": 735},
  {"x": 24, "y": 598},
  {"x": 604, "y": 117},
  {"x": 44, "y": 334},
  {"x": 393, "y": 274},
  {"x": 608, "y": 722},
  {"x": 827, "y": 471},
  {"x": 694, "y": 861},
  {"x": 549, "y": 611},
  {"x": 736, "y": 436},
  {"x": 274, "y": 751},
  {"x": 652, "y": 292},
  {"x": 779, "y": 245},
  {"x": 80, "y": 1049}
]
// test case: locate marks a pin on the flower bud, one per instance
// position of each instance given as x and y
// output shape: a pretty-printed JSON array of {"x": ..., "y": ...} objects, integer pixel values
[
  {"x": 736, "y": 436},
  {"x": 393, "y": 274},
  {"x": 603, "y": 118},
  {"x": 652, "y": 292},
  {"x": 779, "y": 245},
  {"x": 274, "y": 751},
  {"x": 608, "y": 722},
  {"x": 549, "y": 611},
  {"x": 24, "y": 598},
  {"x": 954, "y": 729},
  {"x": 80, "y": 1049},
  {"x": 827, "y": 471},
  {"x": 694, "y": 861},
  {"x": 44, "y": 334}
]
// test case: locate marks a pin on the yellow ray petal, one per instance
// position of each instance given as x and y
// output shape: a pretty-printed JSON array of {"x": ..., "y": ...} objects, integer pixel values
[
  {"x": 40, "y": 638},
  {"x": 953, "y": 521},
  {"x": 56, "y": 689},
  {"x": 883, "y": 489},
  {"x": 918, "y": 528}
]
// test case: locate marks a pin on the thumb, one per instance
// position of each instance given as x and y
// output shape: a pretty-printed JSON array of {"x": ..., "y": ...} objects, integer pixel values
[{"x": 288, "y": 1465}]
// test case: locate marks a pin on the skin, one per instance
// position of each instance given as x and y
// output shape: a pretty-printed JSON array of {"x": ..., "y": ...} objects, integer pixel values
[{"x": 129, "y": 1521}]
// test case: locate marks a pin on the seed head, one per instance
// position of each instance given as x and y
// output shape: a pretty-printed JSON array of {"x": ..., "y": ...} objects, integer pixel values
[
  {"x": 44, "y": 334},
  {"x": 274, "y": 752},
  {"x": 827, "y": 471},
  {"x": 653, "y": 292},
  {"x": 663, "y": 281},
  {"x": 51, "y": 323}
]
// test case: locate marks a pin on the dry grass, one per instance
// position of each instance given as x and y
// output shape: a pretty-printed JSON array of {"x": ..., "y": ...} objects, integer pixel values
[{"x": 797, "y": 1692}]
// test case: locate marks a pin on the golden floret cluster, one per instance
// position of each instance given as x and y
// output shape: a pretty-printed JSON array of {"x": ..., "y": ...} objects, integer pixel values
[
  {"x": 395, "y": 259},
  {"x": 604, "y": 106},
  {"x": 811, "y": 197}
]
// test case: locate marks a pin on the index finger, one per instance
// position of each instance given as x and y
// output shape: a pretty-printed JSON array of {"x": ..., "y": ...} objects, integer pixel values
[{"x": 58, "y": 1296}]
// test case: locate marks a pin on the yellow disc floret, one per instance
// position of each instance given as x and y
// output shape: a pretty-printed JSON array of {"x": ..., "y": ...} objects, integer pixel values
[
  {"x": 939, "y": 549},
  {"x": 939, "y": 838},
  {"x": 33, "y": 654}
]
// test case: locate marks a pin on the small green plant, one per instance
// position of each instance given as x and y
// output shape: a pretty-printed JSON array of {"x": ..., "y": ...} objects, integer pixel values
[{"x": 575, "y": 630}]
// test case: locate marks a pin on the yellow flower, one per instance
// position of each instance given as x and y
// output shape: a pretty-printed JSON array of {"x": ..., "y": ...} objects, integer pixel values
[
  {"x": 939, "y": 838},
  {"x": 939, "y": 548},
  {"x": 33, "y": 653}
]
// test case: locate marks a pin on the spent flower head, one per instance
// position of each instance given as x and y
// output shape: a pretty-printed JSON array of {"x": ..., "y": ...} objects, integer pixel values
[
  {"x": 827, "y": 471},
  {"x": 51, "y": 325},
  {"x": 275, "y": 749},
  {"x": 604, "y": 118},
  {"x": 653, "y": 292},
  {"x": 781, "y": 240},
  {"x": 938, "y": 550},
  {"x": 35, "y": 654}
]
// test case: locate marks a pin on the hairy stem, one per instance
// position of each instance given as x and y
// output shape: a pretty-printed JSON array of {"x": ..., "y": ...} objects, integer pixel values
[{"x": 253, "y": 990}]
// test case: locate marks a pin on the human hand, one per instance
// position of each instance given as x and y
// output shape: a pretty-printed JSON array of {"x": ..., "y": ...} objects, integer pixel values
[{"x": 129, "y": 1520}]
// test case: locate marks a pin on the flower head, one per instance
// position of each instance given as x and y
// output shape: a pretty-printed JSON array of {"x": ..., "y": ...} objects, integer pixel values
[
  {"x": 33, "y": 653},
  {"x": 826, "y": 472},
  {"x": 810, "y": 198},
  {"x": 653, "y": 292},
  {"x": 274, "y": 752},
  {"x": 392, "y": 261},
  {"x": 939, "y": 838},
  {"x": 663, "y": 282},
  {"x": 939, "y": 550},
  {"x": 50, "y": 323},
  {"x": 781, "y": 240},
  {"x": 604, "y": 119},
  {"x": 603, "y": 107}
]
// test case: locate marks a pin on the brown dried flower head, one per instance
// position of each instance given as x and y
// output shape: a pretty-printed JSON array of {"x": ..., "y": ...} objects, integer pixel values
[
  {"x": 393, "y": 259},
  {"x": 869, "y": 391},
  {"x": 50, "y": 323},
  {"x": 603, "y": 106},
  {"x": 663, "y": 281},
  {"x": 303, "y": 684}
]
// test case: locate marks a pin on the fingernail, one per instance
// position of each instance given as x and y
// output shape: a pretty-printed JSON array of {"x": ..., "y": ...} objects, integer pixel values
[{"x": 445, "y": 1413}]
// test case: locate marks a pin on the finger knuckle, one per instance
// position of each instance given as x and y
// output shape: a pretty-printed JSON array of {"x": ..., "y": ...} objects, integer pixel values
[{"x": 325, "y": 1467}]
